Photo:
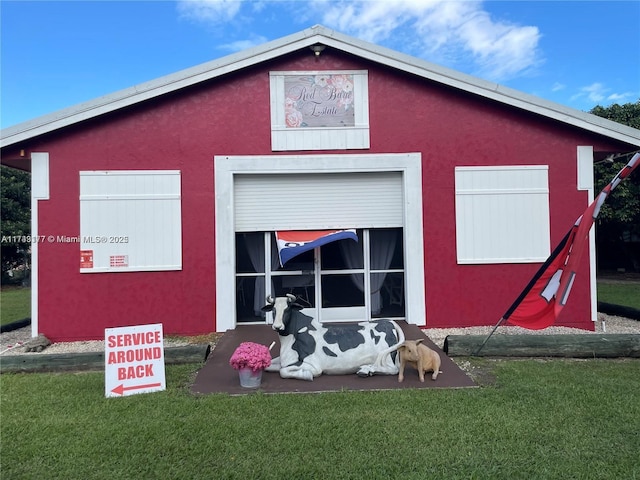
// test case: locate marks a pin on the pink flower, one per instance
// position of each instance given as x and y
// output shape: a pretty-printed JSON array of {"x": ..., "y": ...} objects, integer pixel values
[
  {"x": 250, "y": 355},
  {"x": 289, "y": 104},
  {"x": 293, "y": 118},
  {"x": 341, "y": 82},
  {"x": 322, "y": 80}
]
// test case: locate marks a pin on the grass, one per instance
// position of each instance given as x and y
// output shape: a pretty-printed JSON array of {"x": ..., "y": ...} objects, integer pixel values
[
  {"x": 626, "y": 294},
  {"x": 552, "y": 419},
  {"x": 16, "y": 304}
]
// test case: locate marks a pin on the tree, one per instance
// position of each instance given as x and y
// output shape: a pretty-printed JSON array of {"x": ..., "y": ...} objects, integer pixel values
[
  {"x": 619, "y": 220},
  {"x": 15, "y": 211},
  {"x": 627, "y": 114}
]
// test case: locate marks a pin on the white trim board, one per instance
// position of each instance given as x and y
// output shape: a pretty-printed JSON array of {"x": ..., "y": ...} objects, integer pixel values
[
  {"x": 584, "y": 158},
  {"x": 39, "y": 191}
]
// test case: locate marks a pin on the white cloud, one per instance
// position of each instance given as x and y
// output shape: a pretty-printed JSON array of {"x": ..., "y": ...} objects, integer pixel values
[
  {"x": 622, "y": 97},
  {"x": 372, "y": 21},
  {"x": 556, "y": 87},
  {"x": 210, "y": 11},
  {"x": 443, "y": 31},
  {"x": 594, "y": 92},
  {"x": 598, "y": 94},
  {"x": 243, "y": 44},
  {"x": 452, "y": 33},
  {"x": 500, "y": 50}
]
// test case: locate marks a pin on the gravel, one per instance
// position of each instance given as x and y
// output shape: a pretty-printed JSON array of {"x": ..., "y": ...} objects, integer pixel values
[
  {"x": 16, "y": 343},
  {"x": 13, "y": 343},
  {"x": 605, "y": 324}
]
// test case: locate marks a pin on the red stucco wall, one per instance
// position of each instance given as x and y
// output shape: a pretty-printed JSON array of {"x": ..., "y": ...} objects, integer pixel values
[{"x": 230, "y": 116}]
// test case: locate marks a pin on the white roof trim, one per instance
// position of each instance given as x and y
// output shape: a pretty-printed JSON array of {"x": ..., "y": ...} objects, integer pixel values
[{"x": 317, "y": 34}]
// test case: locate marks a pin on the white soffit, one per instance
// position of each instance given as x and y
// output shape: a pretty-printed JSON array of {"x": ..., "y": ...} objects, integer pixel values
[{"x": 303, "y": 39}]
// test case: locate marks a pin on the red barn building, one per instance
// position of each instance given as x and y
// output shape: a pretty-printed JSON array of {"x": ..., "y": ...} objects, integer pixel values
[{"x": 161, "y": 202}]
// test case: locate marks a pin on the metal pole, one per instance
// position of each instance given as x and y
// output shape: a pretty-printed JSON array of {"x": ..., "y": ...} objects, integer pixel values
[{"x": 477, "y": 352}]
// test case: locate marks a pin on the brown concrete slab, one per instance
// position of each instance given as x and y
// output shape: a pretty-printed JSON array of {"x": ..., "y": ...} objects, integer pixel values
[{"x": 217, "y": 376}]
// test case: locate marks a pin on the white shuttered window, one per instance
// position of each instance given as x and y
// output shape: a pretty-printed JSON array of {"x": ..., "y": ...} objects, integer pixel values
[
  {"x": 502, "y": 214},
  {"x": 130, "y": 220}
]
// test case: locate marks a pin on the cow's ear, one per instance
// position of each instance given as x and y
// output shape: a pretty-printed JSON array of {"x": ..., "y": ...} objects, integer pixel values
[
  {"x": 420, "y": 340},
  {"x": 267, "y": 308}
]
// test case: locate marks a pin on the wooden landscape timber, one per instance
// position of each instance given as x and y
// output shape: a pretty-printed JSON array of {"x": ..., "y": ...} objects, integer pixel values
[
  {"x": 43, "y": 362},
  {"x": 564, "y": 345}
]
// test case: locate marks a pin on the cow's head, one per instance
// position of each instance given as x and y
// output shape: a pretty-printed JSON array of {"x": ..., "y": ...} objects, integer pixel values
[{"x": 282, "y": 307}]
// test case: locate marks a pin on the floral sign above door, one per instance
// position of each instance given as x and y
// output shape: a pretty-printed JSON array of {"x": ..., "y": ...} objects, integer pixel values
[
  {"x": 321, "y": 100},
  {"x": 319, "y": 110}
]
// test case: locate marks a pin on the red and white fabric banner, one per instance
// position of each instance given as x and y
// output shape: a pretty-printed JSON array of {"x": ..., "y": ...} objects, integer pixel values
[
  {"x": 292, "y": 243},
  {"x": 540, "y": 303}
]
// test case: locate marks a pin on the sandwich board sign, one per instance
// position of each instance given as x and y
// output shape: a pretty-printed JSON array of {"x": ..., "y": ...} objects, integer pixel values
[{"x": 134, "y": 360}]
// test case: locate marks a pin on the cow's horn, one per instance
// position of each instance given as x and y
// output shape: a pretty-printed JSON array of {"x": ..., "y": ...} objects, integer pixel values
[
  {"x": 292, "y": 298},
  {"x": 270, "y": 300}
]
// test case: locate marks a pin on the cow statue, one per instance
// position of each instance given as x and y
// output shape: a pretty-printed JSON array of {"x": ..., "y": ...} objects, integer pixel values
[{"x": 308, "y": 349}]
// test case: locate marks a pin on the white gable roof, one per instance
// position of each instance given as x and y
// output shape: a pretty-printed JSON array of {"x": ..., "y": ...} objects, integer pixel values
[{"x": 306, "y": 38}]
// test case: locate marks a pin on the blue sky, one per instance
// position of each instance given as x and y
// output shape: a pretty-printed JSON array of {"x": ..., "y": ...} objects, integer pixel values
[{"x": 57, "y": 54}]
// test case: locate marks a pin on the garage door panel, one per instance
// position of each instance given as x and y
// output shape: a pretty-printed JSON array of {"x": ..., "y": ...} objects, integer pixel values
[{"x": 266, "y": 202}]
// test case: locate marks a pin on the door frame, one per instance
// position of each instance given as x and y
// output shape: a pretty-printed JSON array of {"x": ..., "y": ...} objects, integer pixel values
[{"x": 227, "y": 167}]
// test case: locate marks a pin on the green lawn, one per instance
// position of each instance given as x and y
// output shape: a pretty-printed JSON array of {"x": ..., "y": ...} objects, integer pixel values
[
  {"x": 551, "y": 419},
  {"x": 627, "y": 294},
  {"x": 15, "y": 304}
]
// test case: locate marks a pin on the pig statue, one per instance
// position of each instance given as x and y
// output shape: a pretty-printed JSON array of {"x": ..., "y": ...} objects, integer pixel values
[{"x": 420, "y": 357}]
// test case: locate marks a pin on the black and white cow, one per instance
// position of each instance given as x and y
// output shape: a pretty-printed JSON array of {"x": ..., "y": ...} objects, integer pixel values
[{"x": 308, "y": 349}]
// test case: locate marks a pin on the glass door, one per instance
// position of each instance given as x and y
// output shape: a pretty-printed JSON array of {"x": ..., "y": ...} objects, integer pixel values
[
  {"x": 297, "y": 277},
  {"x": 342, "y": 280},
  {"x": 337, "y": 282},
  {"x": 363, "y": 280},
  {"x": 251, "y": 276}
]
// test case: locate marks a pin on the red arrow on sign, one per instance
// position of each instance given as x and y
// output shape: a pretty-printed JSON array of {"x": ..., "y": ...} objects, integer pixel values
[{"x": 120, "y": 389}]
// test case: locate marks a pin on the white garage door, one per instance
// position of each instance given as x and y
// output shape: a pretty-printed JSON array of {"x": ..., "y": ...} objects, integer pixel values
[{"x": 268, "y": 202}]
